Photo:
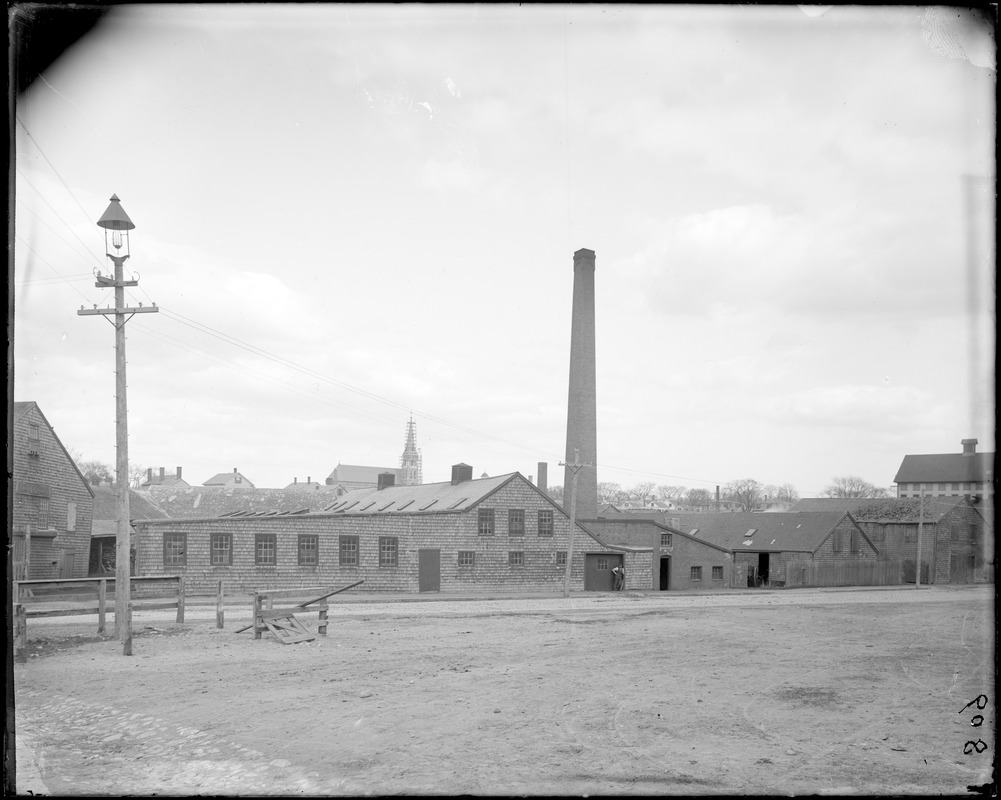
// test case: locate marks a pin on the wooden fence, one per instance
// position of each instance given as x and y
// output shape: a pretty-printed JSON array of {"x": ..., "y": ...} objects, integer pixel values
[
  {"x": 72, "y": 596},
  {"x": 844, "y": 573}
]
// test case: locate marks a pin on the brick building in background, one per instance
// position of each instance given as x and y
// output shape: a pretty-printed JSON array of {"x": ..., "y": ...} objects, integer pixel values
[
  {"x": 53, "y": 502},
  {"x": 500, "y": 533}
]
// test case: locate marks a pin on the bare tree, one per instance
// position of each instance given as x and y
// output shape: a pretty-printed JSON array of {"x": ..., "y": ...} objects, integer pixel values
[
  {"x": 556, "y": 492},
  {"x": 96, "y": 472},
  {"x": 673, "y": 493},
  {"x": 700, "y": 498},
  {"x": 852, "y": 486},
  {"x": 641, "y": 491},
  {"x": 747, "y": 493},
  {"x": 610, "y": 493},
  {"x": 787, "y": 492}
]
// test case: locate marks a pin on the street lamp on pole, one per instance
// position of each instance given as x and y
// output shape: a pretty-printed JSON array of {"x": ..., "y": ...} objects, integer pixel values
[{"x": 116, "y": 224}]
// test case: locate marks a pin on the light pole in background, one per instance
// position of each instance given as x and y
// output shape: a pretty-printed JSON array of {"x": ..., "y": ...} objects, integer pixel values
[{"x": 116, "y": 224}]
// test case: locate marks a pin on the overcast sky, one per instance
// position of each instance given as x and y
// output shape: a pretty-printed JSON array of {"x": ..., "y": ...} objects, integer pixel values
[{"x": 351, "y": 214}]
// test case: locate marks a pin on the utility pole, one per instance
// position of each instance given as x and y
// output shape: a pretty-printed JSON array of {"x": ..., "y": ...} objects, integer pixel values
[
  {"x": 574, "y": 469},
  {"x": 921, "y": 529},
  {"x": 116, "y": 224}
]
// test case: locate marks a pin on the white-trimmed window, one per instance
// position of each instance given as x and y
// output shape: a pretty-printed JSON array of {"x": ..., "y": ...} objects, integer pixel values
[
  {"x": 467, "y": 558},
  {"x": 389, "y": 551},
  {"x": 695, "y": 574},
  {"x": 266, "y": 549},
  {"x": 175, "y": 549},
  {"x": 545, "y": 522},
  {"x": 221, "y": 549},
  {"x": 516, "y": 558},
  {"x": 309, "y": 550}
]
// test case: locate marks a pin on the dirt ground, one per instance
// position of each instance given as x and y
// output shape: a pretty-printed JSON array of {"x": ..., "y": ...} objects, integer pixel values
[{"x": 784, "y": 692}]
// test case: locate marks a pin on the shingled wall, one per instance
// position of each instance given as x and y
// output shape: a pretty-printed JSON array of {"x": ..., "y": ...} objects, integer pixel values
[{"x": 449, "y": 532}]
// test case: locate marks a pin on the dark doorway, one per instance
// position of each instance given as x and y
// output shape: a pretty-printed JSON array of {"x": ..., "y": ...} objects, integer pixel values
[
  {"x": 763, "y": 569},
  {"x": 665, "y": 573},
  {"x": 429, "y": 570},
  {"x": 102, "y": 556}
]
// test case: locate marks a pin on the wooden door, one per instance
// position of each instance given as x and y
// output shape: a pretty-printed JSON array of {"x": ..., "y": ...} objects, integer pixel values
[
  {"x": 429, "y": 570},
  {"x": 598, "y": 571}
]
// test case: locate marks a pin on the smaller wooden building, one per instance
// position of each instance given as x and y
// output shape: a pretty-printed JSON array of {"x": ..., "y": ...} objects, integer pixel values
[
  {"x": 787, "y": 548},
  {"x": 678, "y": 561},
  {"x": 53, "y": 502}
]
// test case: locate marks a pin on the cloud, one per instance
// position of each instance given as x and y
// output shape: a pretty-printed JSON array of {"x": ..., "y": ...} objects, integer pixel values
[{"x": 883, "y": 409}]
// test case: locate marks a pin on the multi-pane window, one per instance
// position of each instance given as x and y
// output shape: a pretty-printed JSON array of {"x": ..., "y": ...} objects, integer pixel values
[
  {"x": 602, "y": 562},
  {"x": 467, "y": 558},
  {"x": 265, "y": 549},
  {"x": 485, "y": 522},
  {"x": 33, "y": 439},
  {"x": 389, "y": 551},
  {"x": 561, "y": 558},
  {"x": 717, "y": 573},
  {"x": 546, "y": 522},
  {"x": 71, "y": 516},
  {"x": 665, "y": 540},
  {"x": 516, "y": 558},
  {"x": 696, "y": 573},
  {"x": 175, "y": 549},
  {"x": 348, "y": 551},
  {"x": 309, "y": 550},
  {"x": 221, "y": 549},
  {"x": 43, "y": 513},
  {"x": 516, "y": 522}
]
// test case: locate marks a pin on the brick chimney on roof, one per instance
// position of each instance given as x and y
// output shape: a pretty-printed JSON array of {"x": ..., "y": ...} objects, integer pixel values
[
  {"x": 543, "y": 477},
  {"x": 178, "y": 473},
  {"x": 163, "y": 471},
  {"x": 461, "y": 473},
  {"x": 969, "y": 447}
]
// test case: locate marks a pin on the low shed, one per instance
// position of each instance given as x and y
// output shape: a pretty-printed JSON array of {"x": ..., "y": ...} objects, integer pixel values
[
  {"x": 765, "y": 544},
  {"x": 678, "y": 561}
]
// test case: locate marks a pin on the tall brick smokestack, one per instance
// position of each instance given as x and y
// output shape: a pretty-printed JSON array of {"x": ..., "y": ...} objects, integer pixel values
[{"x": 582, "y": 415}]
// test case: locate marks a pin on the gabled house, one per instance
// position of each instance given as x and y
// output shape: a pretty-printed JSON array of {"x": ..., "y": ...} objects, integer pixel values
[
  {"x": 228, "y": 480},
  {"x": 309, "y": 483},
  {"x": 957, "y": 534},
  {"x": 350, "y": 477},
  {"x": 947, "y": 474},
  {"x": 163, "y": 479},
  {"x": 104, "y": 531},
  {"x": 499, "y": 533},
  {"x": 53, "y": 502},
  {"x": 764, "y": 544},
  {"x": 679, "y": 561}
]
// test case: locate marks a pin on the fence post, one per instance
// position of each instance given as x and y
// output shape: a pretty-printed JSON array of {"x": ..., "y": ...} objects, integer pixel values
[
  {"x": 102, "y": 604},
  {"x": 219, "y": 620},
  {"x": 257, "y": 615},
  {"x": 20, "y": 634},
  {"x": 127, "y": 631},
  {"x": 180, "y": 598}
]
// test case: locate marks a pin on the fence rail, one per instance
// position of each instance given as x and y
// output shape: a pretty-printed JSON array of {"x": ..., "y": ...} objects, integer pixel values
[
  {"x": 844, "y": 573},
  {"x": 49, "y": 597}
]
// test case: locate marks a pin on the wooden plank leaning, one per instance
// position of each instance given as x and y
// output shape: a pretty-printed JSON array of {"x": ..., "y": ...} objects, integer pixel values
[{"x": 258, "y": 626}]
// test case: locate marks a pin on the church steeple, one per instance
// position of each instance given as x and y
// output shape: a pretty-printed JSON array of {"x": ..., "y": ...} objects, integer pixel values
[{"x": 411, "y": 472}]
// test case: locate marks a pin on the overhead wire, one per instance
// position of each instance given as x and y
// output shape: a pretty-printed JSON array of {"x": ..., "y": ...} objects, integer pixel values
[{"x": 281, "y": 360}]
